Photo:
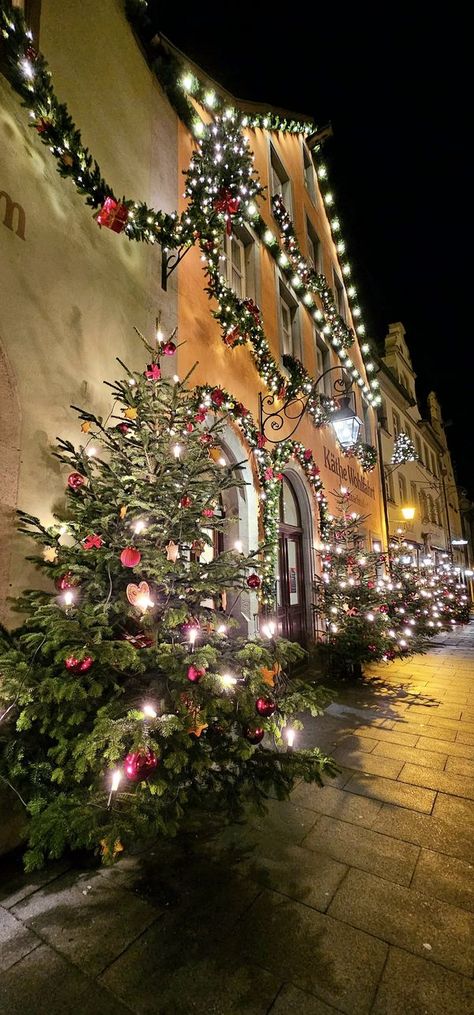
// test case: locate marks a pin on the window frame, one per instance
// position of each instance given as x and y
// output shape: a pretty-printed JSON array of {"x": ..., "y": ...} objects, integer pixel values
[
  {"x": 278, "y": 171},
  {"x": 308, "y": 164},
  {"x": 287, "y": 300}
]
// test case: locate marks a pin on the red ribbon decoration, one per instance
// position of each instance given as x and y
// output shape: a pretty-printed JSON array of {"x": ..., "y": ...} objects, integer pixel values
[{"x": 228, "y": 205}]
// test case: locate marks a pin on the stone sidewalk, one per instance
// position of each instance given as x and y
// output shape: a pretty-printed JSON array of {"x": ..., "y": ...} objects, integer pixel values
[{"x": 356, "y": 898}]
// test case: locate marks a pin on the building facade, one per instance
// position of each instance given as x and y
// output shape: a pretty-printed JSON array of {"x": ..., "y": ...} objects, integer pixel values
[
  {"x": 73, "y": 292},
  {"x": 424, "y": 483}
]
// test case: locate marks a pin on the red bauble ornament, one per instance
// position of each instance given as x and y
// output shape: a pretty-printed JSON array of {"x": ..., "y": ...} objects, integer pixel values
[
  {"x": 195, "y": 673},
  {"x": 168, "y": 349},
  {"x": 139, "y": 766},
  {"x": 93, "y": 542},
  {"x": 265, "y": 707},
  {"x": 308, "y": 455},
  {"x": 123, "y": 427},
  {"x": 200, "y": 416},
  {"x": 66, "y": 581},
  {"x": 253, "y": 581},
  {"x": 75, "y": 480},
  {"x": 254, "y": 734},
  {"x": 185, "y": 501},
  {"x": 113, "y": 215},
  {"x": 130, "y": 556},
  {"x": 208, "y": 512},
  {"x": 78, "y": 665},
  {"x": 42, "y": 124}
]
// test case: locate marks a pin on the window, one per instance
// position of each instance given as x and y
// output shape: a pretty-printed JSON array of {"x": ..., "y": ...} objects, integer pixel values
[
  {"x": 435, "y": 465},
  {"x": 402, "y": 489},
  {"x": 308, "y": 169},
  {"x": 234, "y": 256},
  {"x": 238, "y": 262},
  {"x": 414, "y": 495},
  {"x": 323, "y": 363},
  {"x": 419, "y": 448},
  {"x": 426, "y": 457},
  {"x": 339, "y": 298},
  {"x": 383, "y": 415},
  {"x": 279, "y": 180},
  {"x": 424, "y": 507},
  {"x": 408, "y": 432},
  {"x": 314, "y": 246},
  {"x": 289, "y": 324},
  {"x": 32, "y": 11},
  {"x": 389, "y": 485},
  {"x": 396, "y": 423}
]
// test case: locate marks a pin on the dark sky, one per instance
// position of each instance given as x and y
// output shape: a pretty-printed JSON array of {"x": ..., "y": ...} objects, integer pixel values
[{"x": 396, "y": 88}]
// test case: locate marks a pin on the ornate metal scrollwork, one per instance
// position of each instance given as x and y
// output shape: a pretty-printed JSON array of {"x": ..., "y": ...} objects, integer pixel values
[{"x": 273, "y": 415}]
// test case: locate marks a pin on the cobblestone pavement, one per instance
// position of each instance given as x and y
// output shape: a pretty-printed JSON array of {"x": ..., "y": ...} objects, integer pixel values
[{"x": 355, "y": 898}]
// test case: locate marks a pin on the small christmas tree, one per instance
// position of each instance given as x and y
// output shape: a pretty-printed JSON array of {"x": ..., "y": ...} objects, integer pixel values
[
  {"x": 403, "y": 450},
  {"x": 365, "y": 613},
  {"x": 131, "y": 698}
]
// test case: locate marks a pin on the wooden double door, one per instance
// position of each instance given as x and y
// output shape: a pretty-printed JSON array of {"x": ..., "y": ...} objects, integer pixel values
[{"x": 291, "y": 598}]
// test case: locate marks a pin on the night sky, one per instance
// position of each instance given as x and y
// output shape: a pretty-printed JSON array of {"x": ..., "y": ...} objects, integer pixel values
[{"x": 397, "y": 95}]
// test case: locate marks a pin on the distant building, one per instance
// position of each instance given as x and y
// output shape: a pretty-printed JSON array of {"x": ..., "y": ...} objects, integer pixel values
[{"x": 426, "y": 484}]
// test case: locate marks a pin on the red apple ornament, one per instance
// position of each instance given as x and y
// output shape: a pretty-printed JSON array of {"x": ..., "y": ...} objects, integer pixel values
[
  {"x": 138, "y": 766},
  {"x": 265, "y": 707}
]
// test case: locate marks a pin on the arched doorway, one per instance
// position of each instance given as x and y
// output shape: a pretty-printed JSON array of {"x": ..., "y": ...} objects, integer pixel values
[{"x": 291, "y": 593}]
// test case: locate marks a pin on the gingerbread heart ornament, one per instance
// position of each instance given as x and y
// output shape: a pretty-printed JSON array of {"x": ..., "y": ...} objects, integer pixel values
[{"x": 136, "y": 594}]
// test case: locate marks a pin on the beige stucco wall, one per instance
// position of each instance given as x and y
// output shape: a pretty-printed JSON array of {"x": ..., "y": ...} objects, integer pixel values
[{"x": 70, "y": 292}]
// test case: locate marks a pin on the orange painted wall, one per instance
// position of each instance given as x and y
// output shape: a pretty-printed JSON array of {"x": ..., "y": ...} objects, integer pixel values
[{"x": 234, "y": 368}]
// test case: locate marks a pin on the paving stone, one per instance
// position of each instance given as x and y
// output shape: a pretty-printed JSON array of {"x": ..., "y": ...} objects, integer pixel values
[
  {"x": 391, "y": 792},
  {"x": 388, "y": 736},
  {"x": 446, "y": 878},
  {"x": 339, "y": 964},
  {"x": 451, "y": 724},
  {"x": 413, "y": 754},
  {"x": 351, "y": 844},
  {"x": 303, "y": 875},
  {"x": 455, "y": 810},
  {"x": 292, "y": 1001},
  {"x": 285, "y": 819},
  {"x": 455, "y": 748},
  {"x": 413, "y": 986},
  {"x": 180, "y": 965},
  {"x": 45, "y": 982},
  {"x": 460, "y": 766},
  {"x": 16, "y": 885},
  {"x": 85, "y": 919},
  {"x": 15, "y": 940},
  {"x": 423, "y": 730},
  {"x": 406, "y": 918},
  {"x": 198, "y": 984},
  {"x": 465, "y": 738},
  {"x": 449, "y": 711},
  {"x": 354, "y": 742},
  {"x": 368, "y": 763},
  {"x": 442, "y": 833},
  {"x": 457, "y": 785},
  {"x": 337, "y": 803}
]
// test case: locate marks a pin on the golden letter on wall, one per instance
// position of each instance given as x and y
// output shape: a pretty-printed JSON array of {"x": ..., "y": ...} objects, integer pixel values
[{"x": 10, "y": 208}]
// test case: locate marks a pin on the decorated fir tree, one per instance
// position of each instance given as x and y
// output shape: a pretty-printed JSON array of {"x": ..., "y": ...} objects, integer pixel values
[
  {"x": 367, "y": 615},
  {"x": 438, "y": 599},
  {"x": 131, "y": 696}
]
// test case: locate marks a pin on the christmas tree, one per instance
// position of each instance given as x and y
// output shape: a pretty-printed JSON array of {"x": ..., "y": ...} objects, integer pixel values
[
  {"x": 366, "y": 612},
  {"x": 437, "y": 596},
  {"x": 131, "y": 696},
  {"x": 403, "y": 450}
]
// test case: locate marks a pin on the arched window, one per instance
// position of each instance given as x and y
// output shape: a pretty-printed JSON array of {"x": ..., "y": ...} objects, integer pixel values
[{"x": 291, "y": 609}]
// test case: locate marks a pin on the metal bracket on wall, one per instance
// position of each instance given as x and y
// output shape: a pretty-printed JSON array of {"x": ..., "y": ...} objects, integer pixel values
[{"x": 170, "y": 261}]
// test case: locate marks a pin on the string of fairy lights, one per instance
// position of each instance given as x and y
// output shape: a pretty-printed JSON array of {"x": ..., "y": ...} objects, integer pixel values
[
  {"x": 222, "y": 187},
  {"x": 138, "y": 221}
]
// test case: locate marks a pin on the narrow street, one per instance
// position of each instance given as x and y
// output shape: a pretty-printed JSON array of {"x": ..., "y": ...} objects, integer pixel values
[{"x": 356, "y": 898}]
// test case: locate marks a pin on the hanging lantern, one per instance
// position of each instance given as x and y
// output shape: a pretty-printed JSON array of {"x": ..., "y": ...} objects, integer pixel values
[{"x": 346, "y": 423}]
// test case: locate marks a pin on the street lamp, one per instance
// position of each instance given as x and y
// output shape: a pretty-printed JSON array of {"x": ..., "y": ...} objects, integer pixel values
[
  {"x": 408, "y": 513},
  {"x": 346, "y": 423}
]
